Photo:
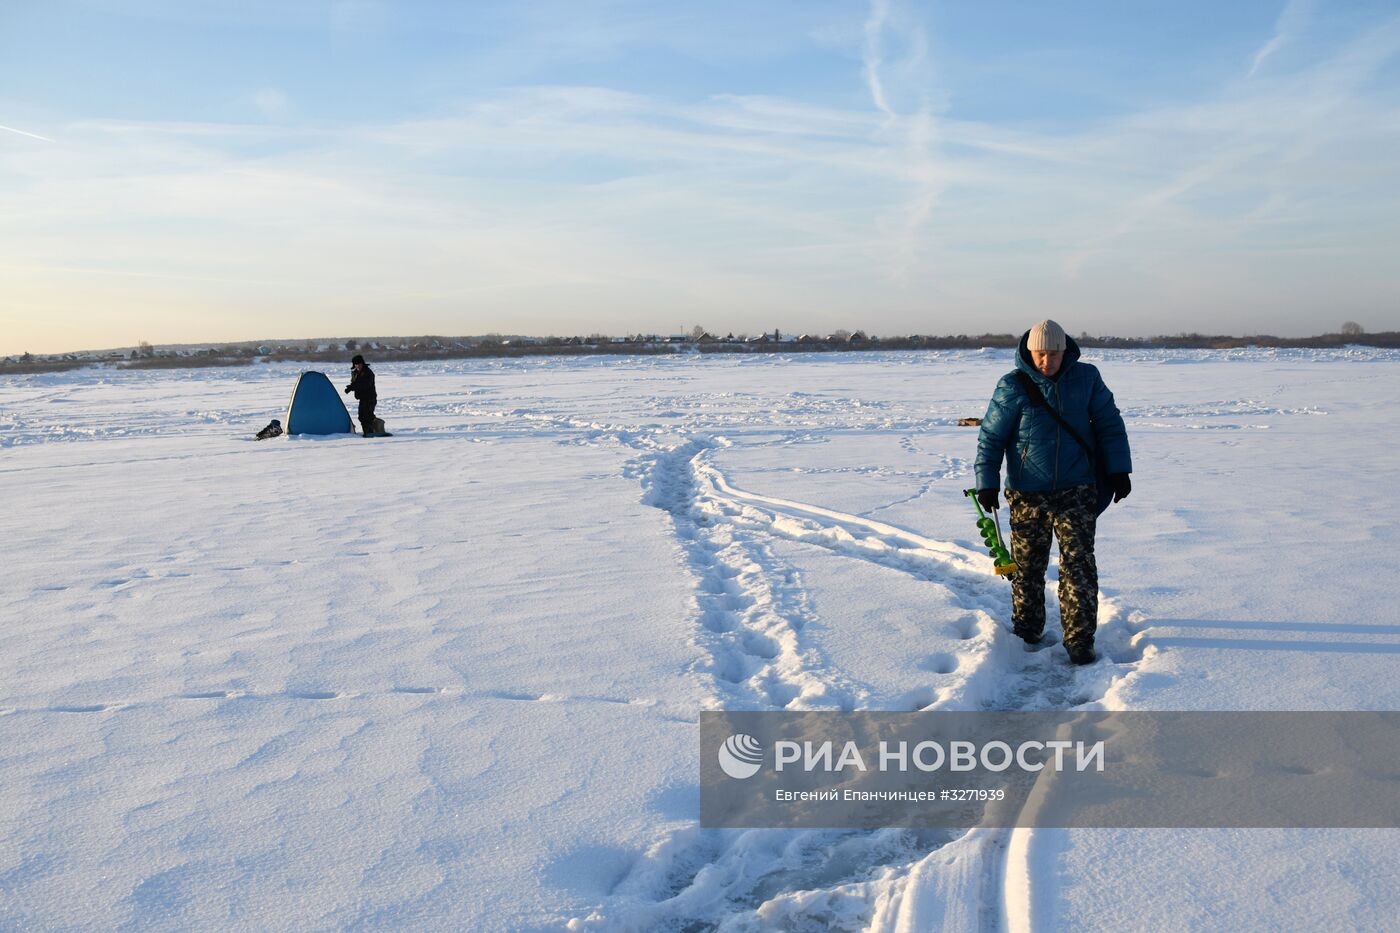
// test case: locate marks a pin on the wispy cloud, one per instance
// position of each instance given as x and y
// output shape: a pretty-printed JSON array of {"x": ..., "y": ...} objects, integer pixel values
[
  {"x": 1222, "y": 165},
  {"x": 11, "y": 129},
  {"x": 915, "y": 129},
  {"x": 874, "y": 54},
  {"x": 1291, "y": 21},
  {"x": 544, "y": 207}
]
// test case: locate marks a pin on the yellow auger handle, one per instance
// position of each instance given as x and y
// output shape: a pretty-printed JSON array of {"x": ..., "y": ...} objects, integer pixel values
[{"x": 1006, "y": 569}]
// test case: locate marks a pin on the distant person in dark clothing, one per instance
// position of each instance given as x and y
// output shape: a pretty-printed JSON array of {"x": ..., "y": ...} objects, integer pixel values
[{"x": 362, "y": 384}]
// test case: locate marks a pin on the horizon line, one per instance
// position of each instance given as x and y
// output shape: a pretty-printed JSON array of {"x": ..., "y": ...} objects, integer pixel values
[{"x": 284, "y": 343}]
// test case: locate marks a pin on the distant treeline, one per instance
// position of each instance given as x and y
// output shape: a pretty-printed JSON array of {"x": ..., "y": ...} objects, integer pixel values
[
  {"x": 1389, "y": 338},
  {"x": 438, "y": 349}
]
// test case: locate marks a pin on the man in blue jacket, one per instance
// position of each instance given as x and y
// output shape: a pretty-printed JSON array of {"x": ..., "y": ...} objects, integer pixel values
[{"x": 1051, "y": 478}]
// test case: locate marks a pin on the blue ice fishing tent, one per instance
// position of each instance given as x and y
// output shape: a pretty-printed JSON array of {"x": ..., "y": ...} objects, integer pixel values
[{"x": 316, "y": 407}]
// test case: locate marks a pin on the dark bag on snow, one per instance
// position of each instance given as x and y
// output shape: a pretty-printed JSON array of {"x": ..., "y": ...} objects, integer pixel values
[{"x": 1103, "y": 484}]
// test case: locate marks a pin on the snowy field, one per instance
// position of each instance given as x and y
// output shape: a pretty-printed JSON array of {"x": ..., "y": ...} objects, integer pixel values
[{"x": 450, "y": 680}]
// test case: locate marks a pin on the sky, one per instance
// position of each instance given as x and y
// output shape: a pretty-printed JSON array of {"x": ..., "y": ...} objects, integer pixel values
[{"x": 193, "y": 172}]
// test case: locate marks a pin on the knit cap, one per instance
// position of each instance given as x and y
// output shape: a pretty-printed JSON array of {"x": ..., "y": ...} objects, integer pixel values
[{"x": 1047, "y": 335}]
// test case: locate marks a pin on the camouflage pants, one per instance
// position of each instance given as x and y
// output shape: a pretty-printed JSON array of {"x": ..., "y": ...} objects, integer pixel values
[{"x": 1071, "y": 515}]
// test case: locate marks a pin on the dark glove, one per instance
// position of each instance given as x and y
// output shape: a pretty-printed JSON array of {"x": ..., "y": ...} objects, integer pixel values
[
  {"x": 987, "y": 498},
  {"x": 347, "y": 390},
  {"x": 1121, "y": 486}
]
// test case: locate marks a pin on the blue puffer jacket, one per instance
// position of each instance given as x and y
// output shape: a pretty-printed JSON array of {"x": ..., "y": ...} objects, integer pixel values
[{"x": 1040, "y": 455}]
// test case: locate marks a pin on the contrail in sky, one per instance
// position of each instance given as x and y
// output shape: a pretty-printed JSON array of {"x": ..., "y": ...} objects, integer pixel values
[
  {"x": 874, "y": 58},
  {"x": 1290, "y": 22},
  {"x": 23, "y": 133}
]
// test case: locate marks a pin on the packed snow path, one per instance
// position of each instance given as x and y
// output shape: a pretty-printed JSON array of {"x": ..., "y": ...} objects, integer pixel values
[
  {"x": 450, "y": 680},
  {"x": 753, "y": 613}
]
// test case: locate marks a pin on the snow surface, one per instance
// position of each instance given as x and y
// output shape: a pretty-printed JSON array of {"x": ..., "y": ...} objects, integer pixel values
[{"x": 450, "y": 680}]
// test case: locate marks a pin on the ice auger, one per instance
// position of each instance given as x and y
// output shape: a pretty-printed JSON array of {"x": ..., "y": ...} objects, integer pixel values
[{"x": 991, "y": 536}]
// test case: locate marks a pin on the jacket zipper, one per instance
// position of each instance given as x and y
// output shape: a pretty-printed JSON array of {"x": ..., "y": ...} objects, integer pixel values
[{"x": 1055, "y": 481}]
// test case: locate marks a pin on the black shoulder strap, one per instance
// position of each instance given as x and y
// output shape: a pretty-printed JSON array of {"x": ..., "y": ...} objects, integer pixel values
[{"x": 1038, "y": 398}]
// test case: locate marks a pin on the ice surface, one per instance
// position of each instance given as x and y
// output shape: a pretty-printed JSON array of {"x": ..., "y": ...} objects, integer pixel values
[{"x": 450, "y": 680}]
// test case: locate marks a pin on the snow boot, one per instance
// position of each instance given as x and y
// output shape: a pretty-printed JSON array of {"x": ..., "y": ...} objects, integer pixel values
[
  {"x": 1081, "y": 654},
  {"x": 1033, "y": 642},
  {"x": 274, "y": 429}
]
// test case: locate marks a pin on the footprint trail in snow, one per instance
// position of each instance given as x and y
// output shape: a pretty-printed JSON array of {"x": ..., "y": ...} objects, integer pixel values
[{"x": 751, "y": 611}]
